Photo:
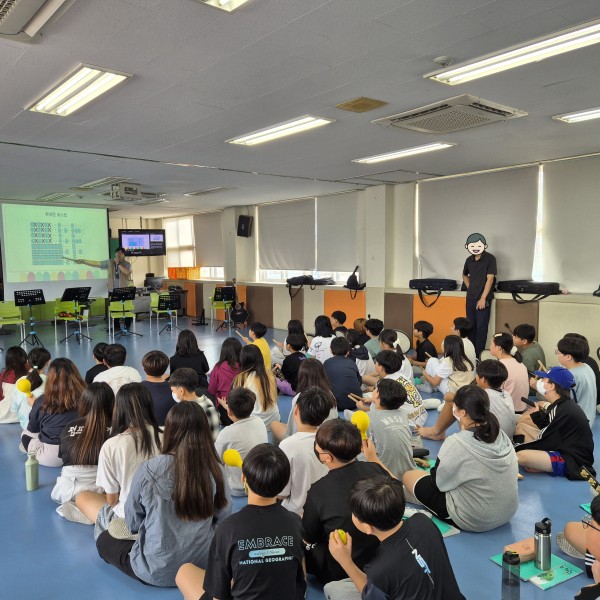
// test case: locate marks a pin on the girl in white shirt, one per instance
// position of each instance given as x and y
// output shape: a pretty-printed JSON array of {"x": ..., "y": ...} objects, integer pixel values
[
  {"x": 320, "y": 345},
  {"x": 451, "y": 372}
]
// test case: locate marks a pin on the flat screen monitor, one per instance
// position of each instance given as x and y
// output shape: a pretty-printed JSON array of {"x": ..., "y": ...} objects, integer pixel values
[{"x": 143, "y": 242}]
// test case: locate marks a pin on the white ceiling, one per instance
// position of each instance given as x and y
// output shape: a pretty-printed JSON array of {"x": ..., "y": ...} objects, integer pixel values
[{"x": 202, "y": 76}]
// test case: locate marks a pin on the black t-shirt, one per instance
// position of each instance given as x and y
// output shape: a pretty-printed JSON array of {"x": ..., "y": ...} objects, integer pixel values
[
  {"x": 590, "y": 592},
  {"x": 67, "y": 441},
  {"x": 477, "y": 271},
  {"x": 162, "y": 399},
  {"x": 197, "y": 362},
  {"x": 345, "y": 379},
  {"x": 260, "y": 548},
  {"x": 49, "y": 426},
  {"x": 425, "y": 573},
  {"x": 422, "y": 348},
  {"x": 95, "y": 370},
  {"x": 326, "y": 509},
  {"x": 291, "y": 366}
]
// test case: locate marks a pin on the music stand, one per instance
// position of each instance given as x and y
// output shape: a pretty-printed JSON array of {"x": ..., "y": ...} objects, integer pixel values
[
  {"x": 170, "y": 303},
  {"x": 122, "y": 295},
  {"x": 77, "y": 295},
  {"x": 30, "y": 298}
]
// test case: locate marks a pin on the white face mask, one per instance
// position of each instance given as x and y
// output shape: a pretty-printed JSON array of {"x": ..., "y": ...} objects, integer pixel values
[
  {"x": 175, "y": 397},
  {"x": 539, "y": 386},
  {"x": 455, "y": 414}
]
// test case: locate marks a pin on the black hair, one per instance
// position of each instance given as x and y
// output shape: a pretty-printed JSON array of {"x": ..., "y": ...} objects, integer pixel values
[
  {"x": 595, "y": 509},
  {"x": 115, "y": 355},
  {"x": 339, "y": 438},
  {"x": 295, "y": 326},
  {"x": 374, "y": 326},
  {"x": 505, "y": 341},
  {"x": 576, "y": 345},
  {"x": 392, "y": 394},
  {"x": 463, "y": 326},
  {"x": 339, "y": 316},
  {"x": 16, "y": 361},
  {"x": 353, "y": 337},
  {"x": 563, "y": 392},
  {"x": 314, "y": 405},
  {"x": 525, "y": 332},
  {"x": 389, "y": 337},
  {"x": 493, "y": 371},
  {"x": 98, "y": 351},
  {"x": 258, "y": 329},
  {"x": 323, "y": 327},
  {"x": 230, "y": 352},
  {"x": 120, "y": 249},
  {"x": 389, "y": 361},
  {"x": 185, "y": 378},
  {"x": 296, "y": 341},
  {"x": 37, "y": 359},
  {"x": 425, "y": 327},
  {"x": 475, "y": 401},
  {"x": 340, "y": 346},
  {"x": 312, "y": 374},
  {"x": 187, "y": 344},
  {"x": 155, "y": 363},
  {"x": 455, "y": 349},
  {"x": 378, "y": 501},
  {"x": 267, "y": 470},
  {"x": 241, "y": 402}
]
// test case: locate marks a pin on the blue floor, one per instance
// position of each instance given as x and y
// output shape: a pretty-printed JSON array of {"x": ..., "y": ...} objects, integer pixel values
[{"x": 42, "y": 555}]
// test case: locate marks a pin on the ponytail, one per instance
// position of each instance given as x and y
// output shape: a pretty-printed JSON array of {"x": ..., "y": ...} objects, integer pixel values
[
  {"x": 37, "y": 359},
  {"x": 505, "y": 341},
  {"x": 476, "y": 403},
  {"x": 390, "y": 338}
]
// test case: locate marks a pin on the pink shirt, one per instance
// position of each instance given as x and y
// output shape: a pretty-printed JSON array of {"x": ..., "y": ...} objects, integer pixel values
[{"x": 517, "y": 384}]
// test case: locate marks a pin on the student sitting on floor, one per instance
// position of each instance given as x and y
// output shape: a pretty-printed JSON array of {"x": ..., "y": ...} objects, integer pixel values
[
  {"x": 15, "y": 368},
  {"x": 412, "y": 561},
  {"x": 473, "y": 484},
  {"x": 571, "y": 352},
  {"x": 183, "y": 383},
  {"x": 320, "y": 345},
  {"x": 565, "y": 442},
  {"x": 135, "y": 438},
  {"x": 38, "y": 360},
  {"x": 175, "y": 501},
  {"x": 155, "y": 364},
  {"x": 343, "y": 374},
  {"x": 461, "y": 326},
  {"x": 118, "y": 373},
  {"x": 233, "y": 570},
  {"x": 257, "y": 332},
  {"x": 291, "y": 364},
  {"x": 189, "y": 356},
  {"x": 245, "y": 432},
  {"x": 337, "y": 443},
  {"x": 279, "y": 352},
  {"x": 79, "y": 449},
  {"x": 311, "y": 374},
  {"x": 261, "y": 381},
  {"x": 338, "y": 318},
  {"x": 388, "y": 340},
  {"x": 311, "y": 410},
  {"x": 517, "y": 382},
  {"x": 373, "y": 328},
  {"x": 490, "y": 375},
  {"x": 360, "y": 355},
  {"x": 99, "y": 367},
  {"x": 588, "y": 360},
  {"x": 531, "y": 352},
  {"x": 360, "y": 326},
  {"x": 52, "y": 411},
  {"x": 223, "y": 374},
  {"x": 424, "y": 347}
]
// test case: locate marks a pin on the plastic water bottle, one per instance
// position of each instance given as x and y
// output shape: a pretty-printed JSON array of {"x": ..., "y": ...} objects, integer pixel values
[
  {"x": 542, "y": 540},
  {"x": 32, "y": 470},
  {"x": 511, "y": 581}
]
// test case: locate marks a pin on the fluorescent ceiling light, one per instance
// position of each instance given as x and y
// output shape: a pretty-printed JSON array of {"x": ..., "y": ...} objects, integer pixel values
[
  {"x": 226, "y": 5},
  {"x": 402, "y": 153},
  {"x": 534, "y": 51},
  {"x": 206, "y": 191},
  {"x": 577, "y": 117},
  {"x": 77, "y": 89},
  {"x": 281, "y": 130}
]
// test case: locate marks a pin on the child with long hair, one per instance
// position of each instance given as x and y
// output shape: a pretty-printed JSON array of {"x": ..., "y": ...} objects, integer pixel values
[
  {"x": 279, "y": 351},
  {"x": 451, "y": 372},
  {"x": 311, "y": 374},
  {"x": 38, "y": 360},
  {"x": 223, "y": 374},
  {"x": 79, "y": 448},
  {"x": 517, "y": 382},
  {"x": 473, "y": 484},
  {"x": 53, "y": 411},
  {"x": 320, "y": 345},
  {"x": 135, "y": 437},
  {"x": 15, "y": 367},
  {"x": 175, "y": 501},
  {"x": 188, "y": 355},
  {"x": 254, "y": 376}
]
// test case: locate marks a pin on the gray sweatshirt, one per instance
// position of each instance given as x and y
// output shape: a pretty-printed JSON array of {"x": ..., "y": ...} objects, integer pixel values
[{"x": 480, "y": 480}]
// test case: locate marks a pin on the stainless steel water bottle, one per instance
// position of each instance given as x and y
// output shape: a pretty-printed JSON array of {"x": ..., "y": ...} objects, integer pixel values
[
  {"x": 511, "y": 571},
  {"x": 542, "y": 540},
  {"x": 32, "y": 469}
]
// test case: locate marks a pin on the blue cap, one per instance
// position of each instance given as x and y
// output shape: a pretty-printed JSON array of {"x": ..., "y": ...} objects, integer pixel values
[{"x": 559, "y": 375}]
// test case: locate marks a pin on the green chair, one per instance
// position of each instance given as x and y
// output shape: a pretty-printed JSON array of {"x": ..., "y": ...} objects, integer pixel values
[
  {"x": 11, "y": 315},
  {"x": 154, "y": 297},
  {"x": 70, "y": 312},
  {"x": 119, "y": 310},
  {"x": 225, "y": 305}
]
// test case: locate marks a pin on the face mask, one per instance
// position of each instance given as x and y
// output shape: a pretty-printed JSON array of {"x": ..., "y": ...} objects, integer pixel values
[
  {"x": 455, "y": 415},
  {"x": 175, "y": 397},
  {"x": 539, "y": 386}
]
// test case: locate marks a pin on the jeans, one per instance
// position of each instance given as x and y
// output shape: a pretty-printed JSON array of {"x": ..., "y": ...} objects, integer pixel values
[{"x": 480, "y": 320}]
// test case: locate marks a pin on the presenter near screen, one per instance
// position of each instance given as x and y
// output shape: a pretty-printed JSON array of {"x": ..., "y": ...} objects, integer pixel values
[{"x": 119, "y": 272}]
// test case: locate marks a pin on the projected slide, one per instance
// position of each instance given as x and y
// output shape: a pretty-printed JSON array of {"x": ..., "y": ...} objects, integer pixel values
[{"x": 41, "y": 243}]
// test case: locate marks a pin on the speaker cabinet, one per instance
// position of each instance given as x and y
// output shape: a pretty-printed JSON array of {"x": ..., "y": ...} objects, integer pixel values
[{"x": 244, "y": 226}]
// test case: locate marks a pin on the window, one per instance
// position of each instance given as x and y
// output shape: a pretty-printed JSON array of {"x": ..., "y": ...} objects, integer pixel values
[
  {"x": 212, "y": 273},
  {"x": 181, "y": 250}
]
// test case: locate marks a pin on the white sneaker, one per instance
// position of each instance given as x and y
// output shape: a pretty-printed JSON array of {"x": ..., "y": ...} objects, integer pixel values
[
  {"x": 69, "y": 511},
  {"x": 441, "y": 406}
]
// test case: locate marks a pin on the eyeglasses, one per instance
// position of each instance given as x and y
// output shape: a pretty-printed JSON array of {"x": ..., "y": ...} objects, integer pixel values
[{"x": 587, "y": 522}]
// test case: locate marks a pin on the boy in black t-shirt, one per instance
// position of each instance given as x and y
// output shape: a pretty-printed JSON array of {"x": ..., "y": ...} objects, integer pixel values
[
  {"x": 257, "y": 553},
  {"x": 416, "y": 546},
  {"x": 338, "y": 318},
  {"x": 155, "y": 364},
  {"x": 422, "y": 330},
  {"x": 291, "y": 364}
]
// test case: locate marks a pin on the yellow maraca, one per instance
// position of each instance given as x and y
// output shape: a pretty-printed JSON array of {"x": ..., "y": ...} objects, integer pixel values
[
  {"x": 232, "y": 458},
  {"x": 24, "y": 386},
  {"x": 342, "y": 535},
  {"x": 361, "y": 420}
]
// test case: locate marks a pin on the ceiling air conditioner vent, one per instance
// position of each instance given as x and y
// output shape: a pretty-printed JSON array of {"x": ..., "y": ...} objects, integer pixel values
[
  {"x": 23, "y": 19},
  {"x": 454, "y": 114}
]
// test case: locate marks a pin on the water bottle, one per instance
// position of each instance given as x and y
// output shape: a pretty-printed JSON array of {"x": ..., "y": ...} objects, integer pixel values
[
  {"x": 511, "y": 581},
  {"x": 542, "y": 540},
  {"x": 32, "y": 469}
]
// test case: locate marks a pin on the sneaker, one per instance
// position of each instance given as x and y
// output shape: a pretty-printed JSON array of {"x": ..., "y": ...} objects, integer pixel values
[
  {"x": 566, "y": 547},
  {"x": 69, "y": 511}
]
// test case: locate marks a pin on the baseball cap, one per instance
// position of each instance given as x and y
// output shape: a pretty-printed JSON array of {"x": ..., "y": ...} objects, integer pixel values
[{"x": 559, "y": 375}]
